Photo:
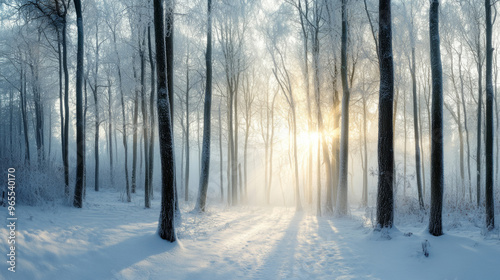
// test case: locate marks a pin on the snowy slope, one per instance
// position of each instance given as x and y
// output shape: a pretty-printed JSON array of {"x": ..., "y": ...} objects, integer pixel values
[{"x": 110, "y": 239}]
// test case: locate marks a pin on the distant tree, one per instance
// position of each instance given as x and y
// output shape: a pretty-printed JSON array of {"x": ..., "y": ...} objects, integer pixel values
[
  {"x": 435, "y": 219},
  {"x": 385, "y": 199},
  {"x": 412, "y": 64},
  {"x": 113, "y": 28},
  {"x": 166, "y": 228},
  {"x": 284, "y": 80}
]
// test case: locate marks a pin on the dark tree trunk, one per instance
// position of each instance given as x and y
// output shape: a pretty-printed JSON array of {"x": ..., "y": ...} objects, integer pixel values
[
  {"x": 77, "y": 202},
  {"x": 96, "y": 111},
  {"x": 186, "y": 174},
  {"x": 490, "y": 209},
  {"x": 61, "y": 109},
  {"x": 134, "y": 127},
  {"x": 435, "y": 219},
  {"x": 66, "y": 108},
  {"x": 110, "y": 133},
  {"x": 166, "y": 223},
  {"x": 205, "y": 163},
  {"x": 169, "y": 48},
  {"x": 385, "y": 199},
  {"x": 24, "y": 115}
]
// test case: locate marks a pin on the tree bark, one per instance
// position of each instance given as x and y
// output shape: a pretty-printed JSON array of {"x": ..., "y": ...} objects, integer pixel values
[
  {"x": 435, "y": 219},
  {"x": 207, "y": 116},
  {"x": 186, "y": 174},
  {"x": 148, "y": 190},
  {"x": 77, "y": 202},
  {"x": 385, "y": 200},
  {"x": 166, "y": 223},
  {"x": 416, "y": 130},
  {"x": 342, "y": 203},
  {"x": 490, "y": 209},
  {"x": 96, "y": 111}
]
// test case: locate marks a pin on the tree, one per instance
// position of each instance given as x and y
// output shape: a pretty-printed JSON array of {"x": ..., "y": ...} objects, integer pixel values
[
  {"x": 490, "y": 209},
  {"x": 166, "y": 228},
  {"x": 385, "y": 199},
  {"x": 342, "y": 204},
  {"x": 113, "y": 28},
  {"x": 412, "y": 65},
  {"x": 207, "y": 110},
  {"x": 435, "y": 219},
  {"x": 77, "y": 202},
  {"x": 148, "y": 189},
  {"x": 284, "y": 80},
  {"x": 94, "y": 88}
]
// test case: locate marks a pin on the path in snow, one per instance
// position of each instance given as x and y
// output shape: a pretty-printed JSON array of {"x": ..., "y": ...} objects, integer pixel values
[{"x": 110, "y": 239}]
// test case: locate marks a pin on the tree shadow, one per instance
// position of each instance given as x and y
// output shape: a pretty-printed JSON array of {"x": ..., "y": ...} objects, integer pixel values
[
  {"x": 280, "y": 262},
  {"x": 102, "y": 262}
]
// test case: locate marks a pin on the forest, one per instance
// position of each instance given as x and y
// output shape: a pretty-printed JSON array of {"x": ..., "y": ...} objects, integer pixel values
[{"x": 249, "y": 139}]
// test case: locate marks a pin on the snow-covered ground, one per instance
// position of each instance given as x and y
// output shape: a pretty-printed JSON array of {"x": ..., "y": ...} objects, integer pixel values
[{"x": 110, "y": 239}]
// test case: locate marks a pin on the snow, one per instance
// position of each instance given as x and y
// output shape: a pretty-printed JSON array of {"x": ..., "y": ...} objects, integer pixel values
[{"x": 111, "y": 239}]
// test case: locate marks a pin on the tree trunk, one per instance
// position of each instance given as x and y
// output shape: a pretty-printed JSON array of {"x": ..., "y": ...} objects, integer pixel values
[
  {"x": 490, "y": 209},
  {"x": 124, "y": 120},
  {"x": 385, "y": 200},
  {"x": 221, "y": 158},
  {"x": 298, "y": 204},
  {"x": 479, "y": 65},
  {"x": 96, "y": 111},
  {"x": 134, "y": 128},
  {"x": 77, "y": 202},
  {"x": 66, "y": 108},
  {"x": 416, "y": 130},
  {"x": 271, "y": 139},
  {"x": 207, "y": 116},
  {"x": 145, "y": 131},
  {"x": 24, "y": 116},
  {"x": 148, "y": 190},
  {"x": 169, "y": 48},
  {"x": 186, "y": 174},
  {"x": 110, "y": 134},
  {"x": 342, "y": 203},
  {"x": 364, "y": 199},
  {"x": 61, "y": 109},
  {"x": 405, "y": 141},
  {"x": 166, "y": 228},
  {"x": 458, "y": 119},
  {"x": 465, "y": 123},
  {"x": 435, "y": 219}
]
